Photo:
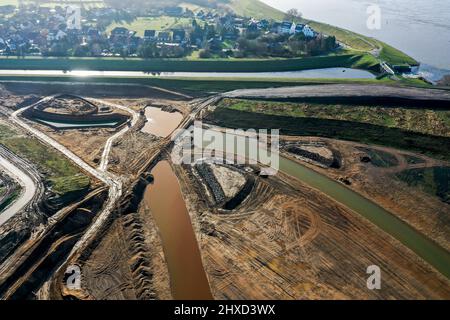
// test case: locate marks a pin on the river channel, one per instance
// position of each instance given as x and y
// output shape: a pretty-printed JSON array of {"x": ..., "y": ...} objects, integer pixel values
[
  {"x": 333, "y": 73},
  {"x": 163, "y": 197}
]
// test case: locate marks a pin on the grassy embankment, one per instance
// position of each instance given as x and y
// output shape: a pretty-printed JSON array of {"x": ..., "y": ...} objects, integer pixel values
[
  {"x": 359, "y": 61},
  {"x": 63, "y": 176},
  {"x": 161, "y": 23},
  {"x": 426, "y": 121},
  {"x": 195, "y": 87},
  {"x": 380, "y": 158},
  {"x": 433, "y": 181},
  {"x": 257, "y": 9},
  {"x": 374, "y": 130}
]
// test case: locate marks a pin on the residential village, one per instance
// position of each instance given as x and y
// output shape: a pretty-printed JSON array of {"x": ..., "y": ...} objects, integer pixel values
[{"x": 33, "y": 30}]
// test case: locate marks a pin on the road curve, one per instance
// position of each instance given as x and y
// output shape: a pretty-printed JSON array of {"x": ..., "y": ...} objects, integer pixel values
[{"x": 26, "y": 182}]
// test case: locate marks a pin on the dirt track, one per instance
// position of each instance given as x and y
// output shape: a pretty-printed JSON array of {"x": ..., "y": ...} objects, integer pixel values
[
  {"x": 17, "y": 170},
  {"x": 343, "y": 90}
]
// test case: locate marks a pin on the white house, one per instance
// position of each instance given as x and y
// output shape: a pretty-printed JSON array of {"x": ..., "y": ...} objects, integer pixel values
[
  {"x": 308, "y": 31},
  {"x": 293, "y": 28},
  {"x": 287, "y": 27},
  {"x": 56, "y": 35}
]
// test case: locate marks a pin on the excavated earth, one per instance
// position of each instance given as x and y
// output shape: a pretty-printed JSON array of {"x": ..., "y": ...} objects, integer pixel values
[
  {"x": 259, "y": 237},
  {"x": 380, "y": 185}
]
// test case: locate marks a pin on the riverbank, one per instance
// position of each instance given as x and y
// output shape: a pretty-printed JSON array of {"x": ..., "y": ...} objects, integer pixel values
[
  {"x": 350, "y": 39},
  {"x": 352, "y": 60},
  {"x": 192, "y": 87}
]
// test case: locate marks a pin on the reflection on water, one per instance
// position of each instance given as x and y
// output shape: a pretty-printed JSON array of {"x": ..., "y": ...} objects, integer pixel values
[
  {"x": 187, "y": 276},
  {"x": 161, "y": 123}
]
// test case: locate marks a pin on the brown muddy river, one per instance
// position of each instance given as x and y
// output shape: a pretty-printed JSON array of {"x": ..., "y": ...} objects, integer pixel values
[
  {"x": 163, "y": 197},
  {"x": 161, "y": 123}
]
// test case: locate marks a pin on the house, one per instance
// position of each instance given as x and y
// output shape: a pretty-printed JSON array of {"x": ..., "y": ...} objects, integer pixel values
[
  {"x": 238, "y": 22},
  {"x": 231, "y": 34},
  {"x": 93, "y": 34},
  {"x": 215, "y": 43},
  {"x": 2, "y": 44},
  {"x": 149, "y": 35},
  {"x": 164, "y": 36},
  {"x": 263, "y": 24},
  {"x": 56, "y": 35},
  {"x": 179, "y": 35},
  {"x": 287, "y": 28},
  {"x": 308, "y": 32},
  {"x": 8, "y": 9},
  {"x": 119, "y": 31},
  {"x": 201, "y": 15},
  {"x": 252, "y": 26},
  {"x": 299, "y": 28},
  {"x": 275, "y": 28},
  {"x": 119, "y": 36},
  {"x": 133, "y": 43}
]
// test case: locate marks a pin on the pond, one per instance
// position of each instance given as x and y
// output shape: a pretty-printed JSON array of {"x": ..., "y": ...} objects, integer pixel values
[
  {"x": 161, "y": 123},
  {"x": 68, "y": 125}
]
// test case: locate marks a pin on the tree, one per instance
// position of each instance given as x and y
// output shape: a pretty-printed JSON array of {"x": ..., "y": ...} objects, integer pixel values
[{"x": 293, "y": 14}]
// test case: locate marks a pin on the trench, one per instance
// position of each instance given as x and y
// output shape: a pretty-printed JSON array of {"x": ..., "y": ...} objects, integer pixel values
[
  {"x": 187, "y": 276},
  {"x": 47, "y": 254}
]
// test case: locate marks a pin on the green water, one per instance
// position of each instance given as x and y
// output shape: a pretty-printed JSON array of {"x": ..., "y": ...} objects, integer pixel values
[
  {"x": 428, "y": 250},
  {"x": 425, "y": 248}
]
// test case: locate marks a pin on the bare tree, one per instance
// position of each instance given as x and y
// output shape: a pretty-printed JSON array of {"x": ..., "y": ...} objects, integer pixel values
[{"x": 293, "y": 14}]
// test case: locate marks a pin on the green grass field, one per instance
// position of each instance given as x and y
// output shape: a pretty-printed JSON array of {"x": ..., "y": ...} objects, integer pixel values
[
  {"x": 395, "y": 56},
  {"x": 412, "y": 159},
  {"x": 434, "y": 146},
  {"x": 433, "y": 181},
  {"x": 424, "y": 121},
  {"x": 256, "y": 9},
  {"x": 63, "y": 175},
  {"x": 196, "y": 87},
  {"x": 152, "y": 23},
  {"x": 380, "y": 158},
  {"x": 361, "y": 61}
]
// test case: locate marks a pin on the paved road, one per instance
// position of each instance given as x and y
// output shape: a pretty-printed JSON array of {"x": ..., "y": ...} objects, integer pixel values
[{"x": 342, "y": 90}]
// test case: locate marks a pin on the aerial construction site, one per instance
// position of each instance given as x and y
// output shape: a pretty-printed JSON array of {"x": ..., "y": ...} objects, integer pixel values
[{"x": 88, "y": 181}]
